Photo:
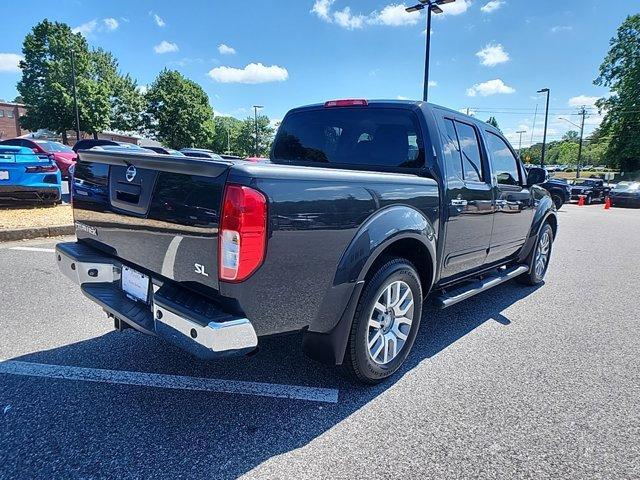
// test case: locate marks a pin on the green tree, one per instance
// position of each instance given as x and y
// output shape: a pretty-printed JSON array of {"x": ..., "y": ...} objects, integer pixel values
[
  {"x": 620, "y": 72},
  {"x": 247, "y": 136},
  {"x": 178, "y": 111},
  {"x": 225, "y": 139},
  {"x": 46, "y": 83},
  {"x": 571, "y": 136},
  {"x": 126, "y": 103},
  {"x": 493, "y": 122}
]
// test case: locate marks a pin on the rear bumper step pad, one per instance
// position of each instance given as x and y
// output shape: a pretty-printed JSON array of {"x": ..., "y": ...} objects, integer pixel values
[{"x": 187, "y": 319}]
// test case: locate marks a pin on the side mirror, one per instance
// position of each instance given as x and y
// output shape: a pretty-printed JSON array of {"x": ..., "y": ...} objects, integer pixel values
[{"x": 536, "y": 176}]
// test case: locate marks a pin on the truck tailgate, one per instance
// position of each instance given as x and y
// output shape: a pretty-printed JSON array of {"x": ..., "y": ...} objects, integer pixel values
[{"x": 159, "y": 213}]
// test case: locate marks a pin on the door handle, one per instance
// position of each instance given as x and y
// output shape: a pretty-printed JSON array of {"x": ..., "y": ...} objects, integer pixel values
[{"x": 459, "y": 202}]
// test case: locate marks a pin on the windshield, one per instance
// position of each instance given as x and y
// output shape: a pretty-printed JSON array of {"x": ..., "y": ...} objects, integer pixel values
[
  {"x": 624, "y": 187},
  {"x": 351, "y": 136},
  {"x": 57, "y": 147},
  {"x": 585, "y": 183}
]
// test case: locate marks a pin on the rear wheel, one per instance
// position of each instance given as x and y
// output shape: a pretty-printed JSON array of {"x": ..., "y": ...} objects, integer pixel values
[
  {"x": 538, "y": 259},
  {"x": 385, "y": 323}
]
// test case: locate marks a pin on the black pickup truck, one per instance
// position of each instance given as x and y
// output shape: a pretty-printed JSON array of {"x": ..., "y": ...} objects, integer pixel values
[{"x": 365, "y": 210}]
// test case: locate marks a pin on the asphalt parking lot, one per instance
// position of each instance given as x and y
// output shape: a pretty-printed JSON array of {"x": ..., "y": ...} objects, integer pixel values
[{"x": 517, "y": 382}]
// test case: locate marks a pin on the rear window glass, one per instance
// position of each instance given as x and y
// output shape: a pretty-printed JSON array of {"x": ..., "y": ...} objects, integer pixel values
[{"x": 351, "y": 136}]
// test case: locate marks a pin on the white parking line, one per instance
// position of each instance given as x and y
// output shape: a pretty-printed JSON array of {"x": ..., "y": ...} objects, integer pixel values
[
  {"x": 33, "y": 249},
  {"x": 178, "y": 382}
]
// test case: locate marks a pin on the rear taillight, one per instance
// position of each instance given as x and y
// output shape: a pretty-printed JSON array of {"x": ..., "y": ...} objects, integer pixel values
[
  {"x": 243, "y": 233},
  {"x": 42, "y": 169}
]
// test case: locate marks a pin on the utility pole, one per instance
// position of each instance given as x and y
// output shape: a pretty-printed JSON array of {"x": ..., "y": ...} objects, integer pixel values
[
  {"x": 431, "y": 6},
  {"x": 546, "y": 121},
  {"x": 583, "y": 113},
  {"x": 255, "y": 117},
  {"x": 75, "y": 94},
  {"x": 520, "y": 143}
]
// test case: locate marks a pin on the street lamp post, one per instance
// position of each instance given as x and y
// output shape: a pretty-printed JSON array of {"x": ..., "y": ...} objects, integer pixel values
[
  {"x": 431, "y": 6},
  {"x": 75, "y": 94},
  {"x": 255, "y": 118},
  {"x": 520, "y": 143},
  {"x": 546, "y": 120}
]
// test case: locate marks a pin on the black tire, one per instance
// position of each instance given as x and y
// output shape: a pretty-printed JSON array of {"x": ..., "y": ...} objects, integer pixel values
[
  {"x": 557, "y": 201},
  {"x": 358, "y": 362},
  {"x": 533, "y": 277},
  {"x": 588, "y": 200}
]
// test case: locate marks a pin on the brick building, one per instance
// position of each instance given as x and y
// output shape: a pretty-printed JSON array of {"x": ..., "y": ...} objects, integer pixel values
[{"x": 10, "y": 114}]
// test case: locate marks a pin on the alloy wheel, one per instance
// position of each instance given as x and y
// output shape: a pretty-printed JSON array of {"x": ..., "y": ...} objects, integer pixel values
[
  {"x": 542, "y": 255},
  {"x": 390, "y": 321}
]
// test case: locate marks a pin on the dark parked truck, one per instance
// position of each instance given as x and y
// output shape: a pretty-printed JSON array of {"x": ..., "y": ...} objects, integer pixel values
[{"x": 364, "y": 211}]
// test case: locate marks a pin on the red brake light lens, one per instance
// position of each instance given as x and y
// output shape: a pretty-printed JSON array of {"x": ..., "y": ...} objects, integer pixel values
[
  {"x": 349, "y": 102},
  {"x": 243, "y": 233}
]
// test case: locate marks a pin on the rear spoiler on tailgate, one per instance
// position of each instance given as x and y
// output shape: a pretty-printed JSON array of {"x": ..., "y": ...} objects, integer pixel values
[{"x": 163, "y": 163}]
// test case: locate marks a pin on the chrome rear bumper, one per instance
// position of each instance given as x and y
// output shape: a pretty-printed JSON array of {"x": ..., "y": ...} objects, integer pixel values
[{"x": 189, "y": 320}]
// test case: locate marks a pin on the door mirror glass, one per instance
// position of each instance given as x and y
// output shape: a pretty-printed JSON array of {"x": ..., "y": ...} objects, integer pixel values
[{"x": 536, "y": 176}]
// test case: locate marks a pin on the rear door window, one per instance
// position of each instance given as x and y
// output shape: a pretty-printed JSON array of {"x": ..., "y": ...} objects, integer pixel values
[
  {"x": 451, "y": 150},
  {"x": 351, "y": 136},
  {"x": 470, "y": 149}
]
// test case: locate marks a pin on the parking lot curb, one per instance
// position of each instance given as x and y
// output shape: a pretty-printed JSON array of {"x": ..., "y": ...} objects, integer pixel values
[{"x": 27, "y": 233}]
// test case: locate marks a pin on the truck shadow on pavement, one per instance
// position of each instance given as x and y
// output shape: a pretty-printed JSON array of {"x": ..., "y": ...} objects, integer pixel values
[{"x": 58, "y": 428}]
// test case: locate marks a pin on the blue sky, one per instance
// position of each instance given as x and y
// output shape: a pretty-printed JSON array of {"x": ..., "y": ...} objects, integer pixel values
[{"x": 489, "y": 56}]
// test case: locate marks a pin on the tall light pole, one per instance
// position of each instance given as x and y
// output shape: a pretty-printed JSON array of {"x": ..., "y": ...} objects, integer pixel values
[
  {"x": 431, "y": 6},
  {"x": 520, "y": 143},
  {"x": 546, "y": 121},
  {"x": 583, "y": 114},
  {"x": 255, "y": 118},
  {"x": 75, "y": 94}
]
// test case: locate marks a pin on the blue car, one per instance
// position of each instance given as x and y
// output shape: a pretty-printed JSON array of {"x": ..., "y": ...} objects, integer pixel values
[{"x": 25, "y": 175}]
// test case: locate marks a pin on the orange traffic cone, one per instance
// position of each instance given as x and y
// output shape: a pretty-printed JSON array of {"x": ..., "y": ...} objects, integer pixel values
[
  {"x": 580, "y": 201},
  {"x": 607, "y": 203}
]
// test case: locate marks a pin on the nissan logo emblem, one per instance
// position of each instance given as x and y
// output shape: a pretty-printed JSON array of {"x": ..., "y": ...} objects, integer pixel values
[{"x": 131, "y": 173}]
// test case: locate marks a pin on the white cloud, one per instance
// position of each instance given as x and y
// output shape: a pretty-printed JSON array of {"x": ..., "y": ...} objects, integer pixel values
[
  {"x": 492, "y": 54},
  {"x": 158, "y": 19},
  {"x": 252, "y": 73},
  {"x": 401, "y": 97},
  {"x": 492, "y": 6},
  {"x": 456, "y": 8},
  {"x": 561, "y": 28},
  {"x": 165, "y": 47},
  {"x": 490, "y": 87},
  {"x": 322, "y": 9},
  {"x": 9, "y": 62},
  {"x": 581, "y": 100},
  {"x": 226, "y": 49},
  {"x": 394, "y": 15},
  {"x": 345, "y": 19},
  {"x": 86, "y": 28},
  {"x": 142, "y": 89},
  {"x": 106, "y": 24},
  {"x": 432, "y": 83},
  {"x": 110, "y": 24}
]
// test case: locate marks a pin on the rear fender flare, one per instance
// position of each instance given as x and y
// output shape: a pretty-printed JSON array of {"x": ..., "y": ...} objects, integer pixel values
[
  {"x": 326, "y": 343},
  {"x": 382, "y": 229}
]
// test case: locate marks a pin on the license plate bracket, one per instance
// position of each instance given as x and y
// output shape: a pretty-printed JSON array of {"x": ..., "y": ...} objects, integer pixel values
[{"x": 135, "y": 285}]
